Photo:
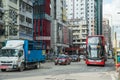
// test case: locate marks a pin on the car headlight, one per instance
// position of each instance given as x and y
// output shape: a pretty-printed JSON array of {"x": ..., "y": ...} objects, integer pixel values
[{"x": 56, "y": 60}]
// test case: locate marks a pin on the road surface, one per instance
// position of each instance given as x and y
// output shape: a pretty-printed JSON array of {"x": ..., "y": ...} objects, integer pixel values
[{"x": 74, "y": 71}]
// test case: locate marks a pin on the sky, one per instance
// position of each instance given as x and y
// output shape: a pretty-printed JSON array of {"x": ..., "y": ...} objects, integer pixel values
[
  {"x": 111, "y": 9},
  {"x": 107, "y": 1}
]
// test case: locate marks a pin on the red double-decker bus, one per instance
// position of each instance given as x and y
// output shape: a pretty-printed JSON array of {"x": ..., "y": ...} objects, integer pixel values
[{"x": 95, "y": 50}]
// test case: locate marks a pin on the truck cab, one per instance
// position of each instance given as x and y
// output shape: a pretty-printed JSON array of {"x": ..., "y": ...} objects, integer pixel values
[
  {"x": 11, "y": 56},
  {"x": 10, "y": 59}
]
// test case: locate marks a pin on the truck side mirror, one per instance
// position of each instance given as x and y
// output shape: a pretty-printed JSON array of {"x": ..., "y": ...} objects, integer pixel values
[{"x": 19, "y": 54}]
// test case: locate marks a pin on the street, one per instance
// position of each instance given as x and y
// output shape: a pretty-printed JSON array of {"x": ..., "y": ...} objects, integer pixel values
[{"x": 74, "y": 71}]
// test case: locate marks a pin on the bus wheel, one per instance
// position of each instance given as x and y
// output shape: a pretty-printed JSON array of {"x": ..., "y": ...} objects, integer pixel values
[
  {"x": 103, "y": 65},
  {"x": 3, "y": 70}
]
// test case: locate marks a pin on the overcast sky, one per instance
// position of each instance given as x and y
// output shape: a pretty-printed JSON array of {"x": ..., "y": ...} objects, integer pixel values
[{"x": 111, "y": 8}]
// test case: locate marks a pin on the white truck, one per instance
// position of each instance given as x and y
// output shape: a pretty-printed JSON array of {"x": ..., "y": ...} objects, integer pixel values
[{"x": 21, "y": 54}]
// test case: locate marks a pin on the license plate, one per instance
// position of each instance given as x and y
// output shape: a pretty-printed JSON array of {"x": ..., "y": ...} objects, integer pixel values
[
  {"x": 98, "y": 61},
  {"x": 95, "y": 60},
  {"x": 3, "y": 67},
  {"x": 59, "y": 62}
]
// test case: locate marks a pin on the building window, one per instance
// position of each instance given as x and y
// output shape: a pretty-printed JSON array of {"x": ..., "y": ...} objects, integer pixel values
[
  {"x": 28, "y": 31},
  {"x": 81, "y": 8},
  {"x": 83, "y": 31},
  {"x": 83, "y": 40},
  {"x": 28, "y": 8},
  {"x": 91, "y": 3},
  {"x": 14, "y": 1},
  {"x": 81, "y": 4},
  {"x": 73, "y": 40},
  {"x": 81, "y": 0},
  {"x": 1, "y": 3},
  {"x": 28, "y": 20},
  {"x": 23, "y": 5},
  {"x": 22, "y": 18},
  {"x": 78, "y": 40},
  {"x": 1, "y": 16}
]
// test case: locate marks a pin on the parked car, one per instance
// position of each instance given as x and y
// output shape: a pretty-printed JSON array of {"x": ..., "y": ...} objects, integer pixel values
[
  {"x": 75, "y": 58},
  {"x": 82, "y": 57},
  {"x": 62, "y": 59}
]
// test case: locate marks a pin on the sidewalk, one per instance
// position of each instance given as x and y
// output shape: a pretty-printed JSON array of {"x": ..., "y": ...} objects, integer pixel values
[
  {"x": 118, "y": 74},
  {"x": 114, "y": 75}
]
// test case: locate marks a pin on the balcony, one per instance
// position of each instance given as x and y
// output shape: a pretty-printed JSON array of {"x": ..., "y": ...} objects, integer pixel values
[{"x": 25, "y": 24}]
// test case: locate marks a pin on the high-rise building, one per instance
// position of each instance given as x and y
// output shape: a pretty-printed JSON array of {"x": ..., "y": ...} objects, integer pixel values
[
  {"x": 115, "y": 29},
  {"x": 89, "y": 11},
  {"x": 17, "y": 17},
  {"x": 107, "y": 33},
  {"x": 79, "y": 33},
  {"x": 60, "y": 31},
  {"x": 98, "y": 17}
]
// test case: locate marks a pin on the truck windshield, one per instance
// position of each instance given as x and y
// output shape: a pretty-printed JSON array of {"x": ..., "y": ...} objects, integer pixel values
[{"x": 8, "y": 53}]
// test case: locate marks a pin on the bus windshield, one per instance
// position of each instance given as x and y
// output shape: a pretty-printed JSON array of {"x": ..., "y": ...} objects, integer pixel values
[
  {"x": 94, "y": 40},
  {"x": 8, "y": 53}
]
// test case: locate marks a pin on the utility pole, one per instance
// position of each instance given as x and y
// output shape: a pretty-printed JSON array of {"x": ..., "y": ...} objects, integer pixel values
[{"x": 115, "y": 51}]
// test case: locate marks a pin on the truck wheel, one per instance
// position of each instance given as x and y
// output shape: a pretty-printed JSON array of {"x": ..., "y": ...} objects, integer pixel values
[
  {"x": 37, "y": 66},
  {"x": 21, "y": 67},
  {"x": 3, "y": 70},
  {"x": 69, "y": 63}
]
